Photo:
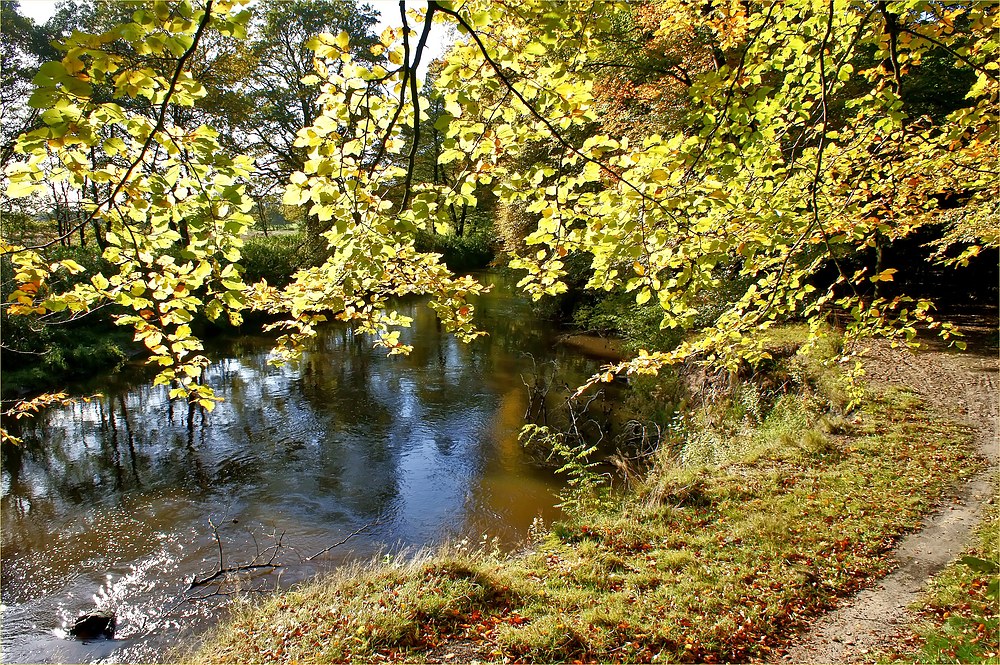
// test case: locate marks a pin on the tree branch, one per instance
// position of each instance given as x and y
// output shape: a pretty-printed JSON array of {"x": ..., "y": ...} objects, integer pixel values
[
  {"x": 164, "y": 107},
  {"x": 412, "y": 75},
  {"x": 343, "y": 540},
  {"x": 891, "y": 23},
  {"x": 951, "y": 51},
  {"x": 541, "y": 118}
]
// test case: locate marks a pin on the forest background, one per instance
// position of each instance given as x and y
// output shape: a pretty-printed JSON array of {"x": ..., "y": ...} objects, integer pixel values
[{"x": 687, "y": 175}]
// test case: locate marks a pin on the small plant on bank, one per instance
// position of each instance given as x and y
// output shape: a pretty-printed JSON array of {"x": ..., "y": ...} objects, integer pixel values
[
  {"x": 459, "y": 253},
  {"x": 586, "y": 487}
]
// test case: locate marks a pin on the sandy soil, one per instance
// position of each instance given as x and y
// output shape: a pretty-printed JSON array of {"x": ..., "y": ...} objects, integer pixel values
[{"x": 962, "y": 386}]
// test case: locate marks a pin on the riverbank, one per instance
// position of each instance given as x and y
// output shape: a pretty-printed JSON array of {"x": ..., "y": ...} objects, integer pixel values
[
  {"x": 121, "y": 497},
  {"x": 769, "y": 508}
]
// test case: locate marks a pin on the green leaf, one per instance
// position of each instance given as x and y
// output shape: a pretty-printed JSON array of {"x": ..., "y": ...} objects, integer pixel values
[
  {"x": 535, "y": 48},
  {"x": 113, "y": 146},
  {"x": 77, "y": 87},
  {"x": 22, "y": 187},
  {"x": 49, "y": 73},
  {"x": 981, "y": 565}
]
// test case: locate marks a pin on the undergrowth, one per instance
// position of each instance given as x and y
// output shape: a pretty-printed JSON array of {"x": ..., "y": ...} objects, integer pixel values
[
  {"x": 39, "y": 355},
  {"x": 756, "y": 517},
  {"x": 459, "y": 253},
  {"x": 275, "y": 258}
]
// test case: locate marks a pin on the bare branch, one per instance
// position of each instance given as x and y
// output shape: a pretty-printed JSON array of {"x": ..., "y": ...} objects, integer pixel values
[
  {"x": 346, "y": 538},
  {"x": 412, "y": 75}
]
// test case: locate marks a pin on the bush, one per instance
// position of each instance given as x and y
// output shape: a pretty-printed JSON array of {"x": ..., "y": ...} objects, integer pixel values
[
  {"x": 89, "y": 257},
  {"x": 459, "y": 253},
  {"x": 275, "y": 258},
  {"x": 37, "y": 356},
  {"x": 618, "y": 314}
]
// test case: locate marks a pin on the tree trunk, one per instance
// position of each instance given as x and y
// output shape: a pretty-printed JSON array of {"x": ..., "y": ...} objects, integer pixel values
[{"x": 263, "y": 216}]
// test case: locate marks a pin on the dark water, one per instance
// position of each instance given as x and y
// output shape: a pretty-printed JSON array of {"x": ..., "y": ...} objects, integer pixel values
[{"x": 111, "y": 503}]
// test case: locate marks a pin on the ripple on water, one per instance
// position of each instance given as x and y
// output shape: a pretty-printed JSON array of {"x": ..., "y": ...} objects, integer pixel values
[
  {"x": 146, "y": 598},
  {"x": 107, "y": 504}
]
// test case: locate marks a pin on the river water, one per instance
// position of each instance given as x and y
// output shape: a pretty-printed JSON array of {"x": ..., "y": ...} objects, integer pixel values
[{"x": 115, "y": 503}]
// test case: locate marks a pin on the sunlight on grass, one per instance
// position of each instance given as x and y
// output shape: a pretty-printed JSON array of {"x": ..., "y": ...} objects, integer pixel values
[{"x": 713, "y": 558}]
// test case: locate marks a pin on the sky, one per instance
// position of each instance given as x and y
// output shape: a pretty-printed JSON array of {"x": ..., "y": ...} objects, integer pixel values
[
  {"x": 38, "y": 10},
  {"x": 41, "y": 10}
]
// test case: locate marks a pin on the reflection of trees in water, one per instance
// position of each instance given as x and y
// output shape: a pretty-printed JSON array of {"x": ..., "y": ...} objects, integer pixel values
[
  {"x": 88, "y": 457},
  {"x": 110, "y": 423},
  {"x": 64, "y": 490},
  {"x": 325, "y": 442}
]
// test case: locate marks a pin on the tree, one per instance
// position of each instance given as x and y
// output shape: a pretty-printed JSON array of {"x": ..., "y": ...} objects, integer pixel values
[
  {"x": 764, "y": 176},
  {"x": 760, "y": 175},
  {"x": 152, "y": 175},
  {"x": 273, "y": 102},
  {"x": 23, "y": 47}
]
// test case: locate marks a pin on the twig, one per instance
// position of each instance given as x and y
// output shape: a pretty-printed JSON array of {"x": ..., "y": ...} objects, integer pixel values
[
  {"x": 346, "y": 538},
  {"x": 224, "y": 570},
  {"x": 232, "y": 569}
]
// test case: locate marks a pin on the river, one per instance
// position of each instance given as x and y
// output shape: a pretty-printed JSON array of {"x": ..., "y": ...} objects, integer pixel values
[{"x": 115, "y": 503}]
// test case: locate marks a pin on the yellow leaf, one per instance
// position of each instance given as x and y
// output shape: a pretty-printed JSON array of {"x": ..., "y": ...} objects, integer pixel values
[{"x": 884, "y": 276}]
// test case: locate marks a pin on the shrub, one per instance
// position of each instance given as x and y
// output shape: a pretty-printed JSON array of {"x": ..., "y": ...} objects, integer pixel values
[
  {"x": 618, "y": 314},
  {"x": 459, "y": 253},
  {"x": 274, "y": 258}
]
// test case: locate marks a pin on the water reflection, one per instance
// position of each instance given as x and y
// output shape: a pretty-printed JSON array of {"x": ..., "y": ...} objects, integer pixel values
[{"x": 108, "y": 502}]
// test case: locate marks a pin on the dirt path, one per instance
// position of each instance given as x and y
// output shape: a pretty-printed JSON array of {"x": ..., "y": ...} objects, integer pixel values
[{"x": 960, "y": 386}]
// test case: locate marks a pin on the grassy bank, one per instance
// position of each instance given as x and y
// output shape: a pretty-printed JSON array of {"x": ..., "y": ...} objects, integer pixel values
[{"x": 762, "y": 510}]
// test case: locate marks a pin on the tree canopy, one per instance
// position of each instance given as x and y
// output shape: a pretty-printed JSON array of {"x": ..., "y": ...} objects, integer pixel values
[{"x": 781, "y": 146}]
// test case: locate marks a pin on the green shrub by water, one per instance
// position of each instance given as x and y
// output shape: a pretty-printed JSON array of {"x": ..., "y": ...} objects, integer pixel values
[
  {"x": 40, "y": 356},
  {"x": 274, "y": 258},
  {"x": 459, "y": 253},
  {"x": 618, "y": 314}
]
